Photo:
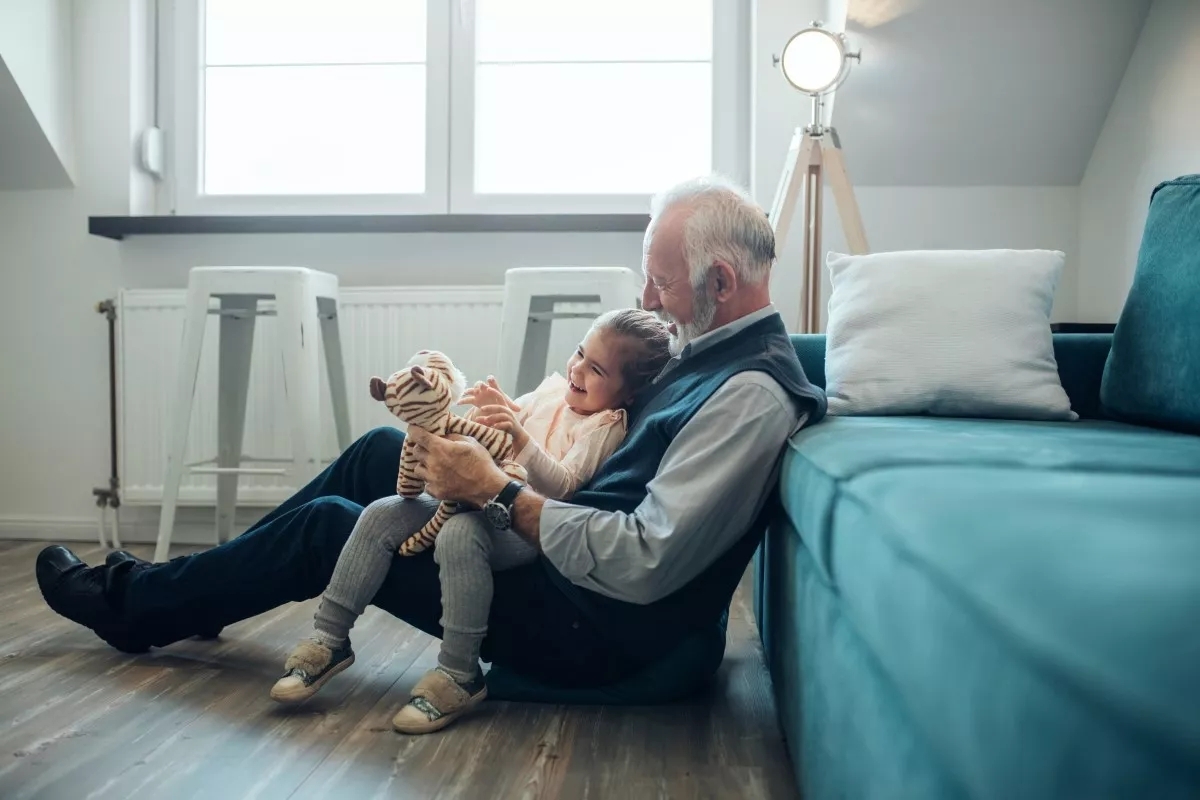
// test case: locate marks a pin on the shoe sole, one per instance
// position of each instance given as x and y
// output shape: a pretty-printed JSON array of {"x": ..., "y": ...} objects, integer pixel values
[
  {"x": 305, "y": 692},
  {"x": 429, "y": 726}
]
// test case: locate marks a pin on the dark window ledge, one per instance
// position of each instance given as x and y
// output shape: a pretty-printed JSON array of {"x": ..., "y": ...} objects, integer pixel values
[
  {"x": 1083, "y": 327},
  {"x": 120, "y": 227}
]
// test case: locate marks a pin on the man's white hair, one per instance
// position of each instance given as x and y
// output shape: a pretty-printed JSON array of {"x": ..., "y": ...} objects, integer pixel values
[{"x": 725, "y": 224}]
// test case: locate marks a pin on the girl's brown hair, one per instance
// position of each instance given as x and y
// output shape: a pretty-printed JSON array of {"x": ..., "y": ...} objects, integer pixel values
[{"x": 648, "y": 341}]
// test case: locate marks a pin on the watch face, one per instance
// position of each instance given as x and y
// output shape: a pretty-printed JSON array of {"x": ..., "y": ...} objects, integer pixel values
[{"x": 496, "y": 515}]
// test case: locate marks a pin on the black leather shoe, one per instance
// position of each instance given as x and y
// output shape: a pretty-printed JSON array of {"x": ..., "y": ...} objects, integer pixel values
[
  {"x": 76, "y": 591},
  {"x": 118, "y": 557},
  {"x": 122, "y": 556}
]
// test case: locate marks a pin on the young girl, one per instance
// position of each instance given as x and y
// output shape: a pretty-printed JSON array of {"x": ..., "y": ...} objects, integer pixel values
[{"x": 561, "y": 432}]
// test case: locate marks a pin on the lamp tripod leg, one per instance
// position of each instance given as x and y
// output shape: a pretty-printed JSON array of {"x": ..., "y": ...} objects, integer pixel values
[
  {"x": 787, "y": 192},
  {"x": 795, "y": 177},
  {"x": 843, "y": 195},
  {"x": 810, "y": 316}
]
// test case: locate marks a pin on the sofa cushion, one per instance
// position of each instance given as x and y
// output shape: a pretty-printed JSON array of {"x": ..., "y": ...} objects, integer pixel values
[
  {"x": 1034, "y": 621},
  {"x": 1031, "y": 589},
  {"x": 820, "y": 459},
  {"x": 1153, "y": 372}
]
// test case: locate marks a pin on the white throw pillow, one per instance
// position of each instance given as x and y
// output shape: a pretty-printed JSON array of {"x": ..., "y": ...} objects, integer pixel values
[{"x": 944, "y": 332}]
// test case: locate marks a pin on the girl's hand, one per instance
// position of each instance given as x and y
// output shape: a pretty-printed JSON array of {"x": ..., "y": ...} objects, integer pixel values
[
  {"x": 505, "y": 419},
  {"x": 487, "y": 394},
  {"x": 481, "y": 395},
  {"x": 477, "y": 395},
  {"x": 495, "y": 387}
]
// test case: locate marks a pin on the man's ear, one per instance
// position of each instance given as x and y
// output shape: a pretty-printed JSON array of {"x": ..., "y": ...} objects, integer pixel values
[{"x": 724, "y": 280}]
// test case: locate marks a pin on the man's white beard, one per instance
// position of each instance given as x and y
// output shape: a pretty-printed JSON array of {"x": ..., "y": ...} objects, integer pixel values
[{"x": 704, "y": 309}]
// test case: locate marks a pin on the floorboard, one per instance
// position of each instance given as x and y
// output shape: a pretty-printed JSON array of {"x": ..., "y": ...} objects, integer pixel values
[{"x": 81, "y": 720}]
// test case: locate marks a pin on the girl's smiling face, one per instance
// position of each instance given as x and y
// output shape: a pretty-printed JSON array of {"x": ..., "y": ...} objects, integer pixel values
[{"x": 595, "y": 381}]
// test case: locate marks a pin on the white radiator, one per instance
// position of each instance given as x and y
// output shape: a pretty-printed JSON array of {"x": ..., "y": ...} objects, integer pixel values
[{"x": 381, "y": 328}]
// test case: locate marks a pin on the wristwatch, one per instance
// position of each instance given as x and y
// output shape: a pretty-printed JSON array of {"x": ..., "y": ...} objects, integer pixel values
[{"x": 498, "y": 510}]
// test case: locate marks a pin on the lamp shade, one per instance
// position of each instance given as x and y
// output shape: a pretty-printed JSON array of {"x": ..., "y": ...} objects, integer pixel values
[{"x": 814, "y": 60}]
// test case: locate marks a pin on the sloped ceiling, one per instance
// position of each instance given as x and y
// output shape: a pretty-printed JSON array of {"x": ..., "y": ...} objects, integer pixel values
[
  {"x": 27, "y": 158},
  {"x": 981, "y": 92}
]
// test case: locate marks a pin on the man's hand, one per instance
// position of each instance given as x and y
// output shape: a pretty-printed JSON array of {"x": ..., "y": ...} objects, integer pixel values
[
  {"x": 459, "y": 469},
  {"x": 463, "y": 471}
]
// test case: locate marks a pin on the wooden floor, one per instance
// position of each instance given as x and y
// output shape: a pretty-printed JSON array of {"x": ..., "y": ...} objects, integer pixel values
[{"x": 81, "y": 720}]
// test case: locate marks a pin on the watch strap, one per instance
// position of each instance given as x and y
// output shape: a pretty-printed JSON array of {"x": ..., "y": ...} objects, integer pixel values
[{"x": 509, "y": 493}]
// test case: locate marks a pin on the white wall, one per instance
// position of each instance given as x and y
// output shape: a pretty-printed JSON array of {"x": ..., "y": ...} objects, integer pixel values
[
  {"x": 53, "y": 409},
  {"x": 54, "y": 351},
  {"x": 378, "y": 259},
  {"x": 35, "y": 43},
  {"x": 895, "y": 217},
  {"x": 937, "y": 218},
  {"x": 1152, "y": 134}
]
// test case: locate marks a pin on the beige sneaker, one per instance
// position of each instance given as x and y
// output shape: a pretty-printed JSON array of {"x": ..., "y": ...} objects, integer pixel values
[
  {"x": 309, "y": 666},
  {"x": 436, "y": 701}
]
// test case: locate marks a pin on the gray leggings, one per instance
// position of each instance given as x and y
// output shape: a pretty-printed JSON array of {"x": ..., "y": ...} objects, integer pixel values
[{"x": 467, "y": 551}]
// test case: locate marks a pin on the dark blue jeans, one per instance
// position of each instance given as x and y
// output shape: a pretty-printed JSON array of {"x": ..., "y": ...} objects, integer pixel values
[{"x": 289, "y": 555}]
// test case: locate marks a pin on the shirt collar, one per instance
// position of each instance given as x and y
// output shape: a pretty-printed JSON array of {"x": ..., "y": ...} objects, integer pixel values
[{"x": 715, "y": 336}]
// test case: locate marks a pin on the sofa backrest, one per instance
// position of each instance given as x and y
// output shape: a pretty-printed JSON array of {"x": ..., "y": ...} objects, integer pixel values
[
  {"x": 1153, "y": 373},
  {"x": 1080, "y": 356}
]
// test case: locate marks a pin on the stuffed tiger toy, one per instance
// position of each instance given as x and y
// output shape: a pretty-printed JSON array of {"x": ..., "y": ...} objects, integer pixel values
[{"x": 421, "y": 394}]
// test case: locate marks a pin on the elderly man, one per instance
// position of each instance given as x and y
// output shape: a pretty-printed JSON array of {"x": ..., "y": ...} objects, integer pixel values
[{"x": 649, "y": 552}]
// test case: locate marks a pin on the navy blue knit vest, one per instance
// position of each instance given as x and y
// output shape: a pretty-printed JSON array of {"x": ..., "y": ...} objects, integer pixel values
[{"x": 644, "y": 632}]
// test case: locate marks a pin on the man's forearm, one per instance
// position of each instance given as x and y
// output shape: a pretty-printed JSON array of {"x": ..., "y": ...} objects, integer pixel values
[{"x": 527, "y": 516}]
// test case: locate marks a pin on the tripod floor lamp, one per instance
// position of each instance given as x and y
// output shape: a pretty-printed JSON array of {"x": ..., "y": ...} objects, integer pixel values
[{"x": 815, "y": 61}]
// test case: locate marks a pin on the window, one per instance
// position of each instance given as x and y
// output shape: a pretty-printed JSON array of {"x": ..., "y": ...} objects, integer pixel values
[{"x": 448, "y": 106}]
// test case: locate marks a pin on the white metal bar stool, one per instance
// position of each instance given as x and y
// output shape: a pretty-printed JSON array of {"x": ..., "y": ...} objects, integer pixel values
[
  {"x": 306, "y": 306},
  {"x": 530, "y": 297}
]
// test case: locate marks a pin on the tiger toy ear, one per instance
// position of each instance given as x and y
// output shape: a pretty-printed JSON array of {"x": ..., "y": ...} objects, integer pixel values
[
  {"x": 440, "y": 369},
  {"x": 421, "y": 376},
  {"x": 378, "y": 389}
]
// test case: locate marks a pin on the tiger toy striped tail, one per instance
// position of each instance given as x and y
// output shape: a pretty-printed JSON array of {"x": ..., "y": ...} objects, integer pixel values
[{"x": 422, "y": 394}]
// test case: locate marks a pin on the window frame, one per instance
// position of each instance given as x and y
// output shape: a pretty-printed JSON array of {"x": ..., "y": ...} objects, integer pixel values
[{"x": 449, "y": 132}]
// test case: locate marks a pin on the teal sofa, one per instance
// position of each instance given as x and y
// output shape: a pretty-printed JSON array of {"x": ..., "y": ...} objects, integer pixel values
[{"x": 986, "y": 608}]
